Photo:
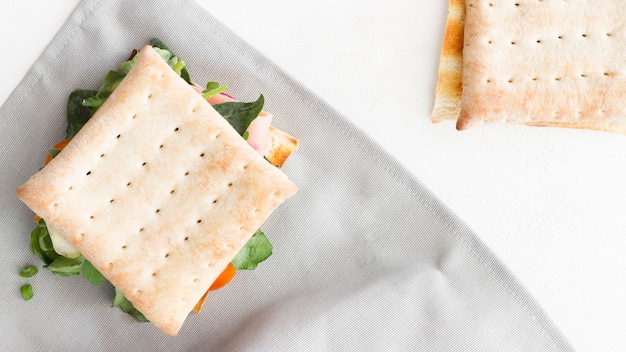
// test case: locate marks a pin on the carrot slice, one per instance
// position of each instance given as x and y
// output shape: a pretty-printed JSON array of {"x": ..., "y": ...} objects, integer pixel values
[
  {"x": 224, "y": 278},
  {"x": 59, "y": 146},
  {"x": 220, "y": 282}
]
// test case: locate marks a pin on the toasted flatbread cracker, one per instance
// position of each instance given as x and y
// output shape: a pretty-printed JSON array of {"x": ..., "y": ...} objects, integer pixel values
[
  {"x": 545, "y": 63},
  {"x": 280, "y": 146},
  {"x": 158, "y": 192},
  {"x": 447, "y": 104}
]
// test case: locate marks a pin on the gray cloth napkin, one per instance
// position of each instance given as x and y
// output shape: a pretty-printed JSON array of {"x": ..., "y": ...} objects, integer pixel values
[{"x": 365, "y": 258}]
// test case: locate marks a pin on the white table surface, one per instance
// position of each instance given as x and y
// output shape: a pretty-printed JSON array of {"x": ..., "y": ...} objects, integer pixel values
[{"x": 549, "y": 203}]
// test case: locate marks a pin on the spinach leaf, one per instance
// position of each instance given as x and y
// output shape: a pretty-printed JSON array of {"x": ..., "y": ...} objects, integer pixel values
[
  {"x": 77, "y": 113},
  {"x": 127, "y": 306},
  {"x": 239, "y": 114},
  {"x": 255, "y": 251}
]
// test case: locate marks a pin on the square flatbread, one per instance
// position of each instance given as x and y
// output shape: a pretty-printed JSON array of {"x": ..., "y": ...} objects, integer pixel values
[
  {"x": 158, "y": 192},
  {"x": 447, "y": 104},
  {"x": 545, "y": 63}
]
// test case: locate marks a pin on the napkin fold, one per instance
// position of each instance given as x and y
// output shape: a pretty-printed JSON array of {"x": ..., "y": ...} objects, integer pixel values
[{"x": 365, "y": 258}]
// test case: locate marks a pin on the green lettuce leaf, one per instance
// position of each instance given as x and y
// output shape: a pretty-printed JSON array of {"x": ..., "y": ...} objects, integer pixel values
[
  {"x": 157, "y": 43},
  {"x": 127, "y": 306},
  {"x": 239, "y": 114},
  {"x": 41, "y": 244},
  {"x": 255, "y": 251},
  {"x": 113, "y": 78},
  {"x": 64, "y": 266},
  {"x": 91, "y": 274}
]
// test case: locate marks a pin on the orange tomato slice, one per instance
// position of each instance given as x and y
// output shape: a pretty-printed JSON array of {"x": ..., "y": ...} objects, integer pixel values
[{"x": 59, "y": 146}]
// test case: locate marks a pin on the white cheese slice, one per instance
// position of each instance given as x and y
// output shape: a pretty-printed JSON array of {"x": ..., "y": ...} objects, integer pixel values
[{"x": 61, "y": 245}]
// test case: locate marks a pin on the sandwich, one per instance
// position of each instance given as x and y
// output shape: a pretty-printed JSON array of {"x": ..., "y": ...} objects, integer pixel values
[
  {"x": 157, "y": 190},
  {"x": 535, "y": 63}
]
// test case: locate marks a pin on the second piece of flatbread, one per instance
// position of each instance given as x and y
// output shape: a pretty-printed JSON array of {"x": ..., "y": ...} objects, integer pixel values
[
  {"x": 447, "y": 104},
  {"x": 545, "y": 63}
]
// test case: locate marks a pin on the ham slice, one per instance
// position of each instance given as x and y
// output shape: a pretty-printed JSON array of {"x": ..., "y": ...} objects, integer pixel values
[{"x": 259, "y": 129}]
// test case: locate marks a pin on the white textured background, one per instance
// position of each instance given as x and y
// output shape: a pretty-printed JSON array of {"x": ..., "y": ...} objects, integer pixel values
[{"x": 550, "y": 203}]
